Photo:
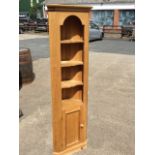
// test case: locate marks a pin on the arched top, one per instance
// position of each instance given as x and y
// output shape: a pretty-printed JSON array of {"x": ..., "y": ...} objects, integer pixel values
[
  {"x": 72, "y": 17},
  {"x": 72, "y": 28}
]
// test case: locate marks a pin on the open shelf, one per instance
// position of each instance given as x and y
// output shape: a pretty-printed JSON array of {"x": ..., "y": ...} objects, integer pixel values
[
  {"x": 73, "y": 94},
  {"x": 70, "y": 83},
  {"x": 71, "y": 41},
  {"x": 73, "y": 73},
  {"x": 71, "y": 63},
  {"x": 71, "y": 52}
]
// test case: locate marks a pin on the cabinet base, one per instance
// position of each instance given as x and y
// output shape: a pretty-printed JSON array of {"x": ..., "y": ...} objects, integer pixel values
[{"x": 72, "y": 149}]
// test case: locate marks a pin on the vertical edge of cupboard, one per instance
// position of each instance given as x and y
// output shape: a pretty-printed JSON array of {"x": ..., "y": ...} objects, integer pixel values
[
  {"x": 85, "y": 76},
  {"x": 54, "y": 34}
]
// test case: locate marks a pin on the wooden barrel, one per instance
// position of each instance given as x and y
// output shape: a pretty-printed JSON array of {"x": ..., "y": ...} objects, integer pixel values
[{"x": 25, "y": 65}]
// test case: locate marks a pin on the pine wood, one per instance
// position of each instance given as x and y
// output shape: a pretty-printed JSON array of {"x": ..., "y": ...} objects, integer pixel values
[
  {"x": 70, "y": 83},
  {"x": 71, "y": 41},
  {"x": 70, "y": 63},
  {"x": 68, "y": 31}
]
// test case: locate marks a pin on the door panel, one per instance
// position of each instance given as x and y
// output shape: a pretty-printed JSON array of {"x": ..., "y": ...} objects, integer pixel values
[
  {"x": 72, "y": 128},
  {"x": 71, "y": 123}
]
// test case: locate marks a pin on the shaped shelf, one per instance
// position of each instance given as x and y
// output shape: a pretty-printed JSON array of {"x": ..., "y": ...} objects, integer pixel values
[
  {"x": 71, "y": 41},
  {"x": 71, "y": 83},
  {"x": 71, "y": 63}
]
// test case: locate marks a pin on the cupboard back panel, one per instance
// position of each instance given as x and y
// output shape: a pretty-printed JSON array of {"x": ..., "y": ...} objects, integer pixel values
[
  {"x": 72, "y": 93},
  {"x": 72, "y": 52},
  {"x": 72, "y": 73}
]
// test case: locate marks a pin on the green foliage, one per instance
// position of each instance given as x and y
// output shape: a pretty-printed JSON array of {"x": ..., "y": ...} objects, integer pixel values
[
  {"x": 24, "y": 6},
  {"x": 35, "y": 8},
  {"x": 33, "y": 12}
]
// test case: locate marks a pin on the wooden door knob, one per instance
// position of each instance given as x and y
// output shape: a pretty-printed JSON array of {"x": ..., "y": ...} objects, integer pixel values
[{"x": 81, "y": 125}]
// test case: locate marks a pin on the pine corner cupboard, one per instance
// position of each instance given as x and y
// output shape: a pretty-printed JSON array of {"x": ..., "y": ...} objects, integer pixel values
[{"x": 69, "y": 33}]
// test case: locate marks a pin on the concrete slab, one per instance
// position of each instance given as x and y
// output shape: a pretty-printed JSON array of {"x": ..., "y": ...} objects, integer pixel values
[{"x": 111, "y": 107}]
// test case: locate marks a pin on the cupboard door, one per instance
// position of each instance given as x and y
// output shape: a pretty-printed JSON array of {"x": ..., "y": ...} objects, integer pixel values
[{"x": 72, "y": 126}]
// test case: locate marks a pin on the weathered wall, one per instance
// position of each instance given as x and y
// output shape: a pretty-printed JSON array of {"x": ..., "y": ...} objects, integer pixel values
[{"x": 113, "y": 17}]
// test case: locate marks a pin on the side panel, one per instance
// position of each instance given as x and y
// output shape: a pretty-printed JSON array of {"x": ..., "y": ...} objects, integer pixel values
[
  {"x": 54, "y": 34},
  {"x": 84, "y": 108}
]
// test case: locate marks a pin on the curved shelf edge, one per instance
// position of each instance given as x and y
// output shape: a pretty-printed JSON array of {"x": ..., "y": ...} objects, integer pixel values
[
  {"x": 71, "y": 41},
  {"x": 71, "y": 83},
  {"x": 71, "y": 63}
]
